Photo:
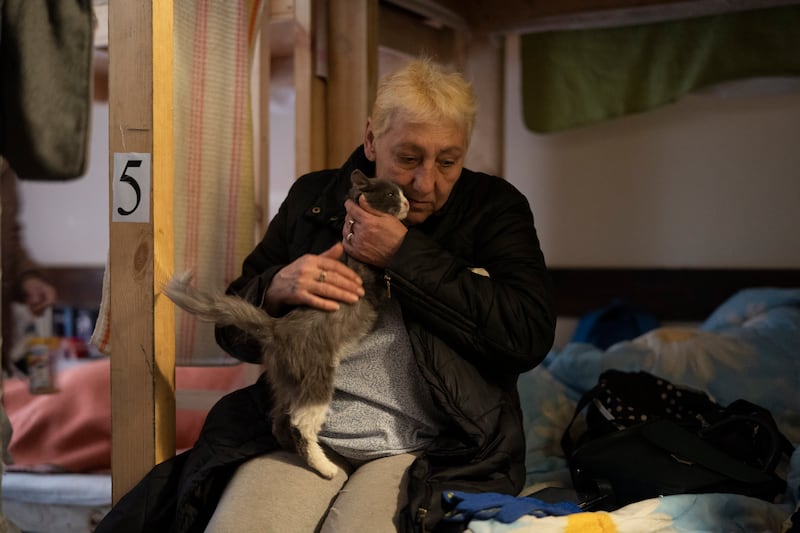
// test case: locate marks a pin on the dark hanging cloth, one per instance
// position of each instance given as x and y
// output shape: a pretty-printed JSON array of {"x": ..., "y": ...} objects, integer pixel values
[{"x": 46, "y": 50}]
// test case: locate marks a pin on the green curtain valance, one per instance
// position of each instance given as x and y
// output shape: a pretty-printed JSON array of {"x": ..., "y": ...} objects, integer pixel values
[{"x": 573, "y": 78}]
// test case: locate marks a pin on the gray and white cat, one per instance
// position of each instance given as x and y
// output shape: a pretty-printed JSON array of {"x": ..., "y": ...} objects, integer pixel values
[{"x": 302, "y": 349}]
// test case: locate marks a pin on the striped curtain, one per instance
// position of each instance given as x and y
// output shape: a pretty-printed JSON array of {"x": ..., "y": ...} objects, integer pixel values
[{"x": 214, "y": 186}]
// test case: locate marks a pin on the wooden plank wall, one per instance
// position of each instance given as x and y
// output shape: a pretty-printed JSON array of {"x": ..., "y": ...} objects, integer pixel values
[
  {"x": 672, "y": 294},
  {"x": 80, "y": 286}
]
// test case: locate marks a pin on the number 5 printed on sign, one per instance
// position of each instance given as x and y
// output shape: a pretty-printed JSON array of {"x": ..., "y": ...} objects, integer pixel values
[{"x": 131, "y": 188}]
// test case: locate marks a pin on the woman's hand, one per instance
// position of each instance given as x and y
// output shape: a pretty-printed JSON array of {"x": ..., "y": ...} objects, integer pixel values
[
  {"x": 371, "y": 236},
  {"x": 321, "y": 281}
]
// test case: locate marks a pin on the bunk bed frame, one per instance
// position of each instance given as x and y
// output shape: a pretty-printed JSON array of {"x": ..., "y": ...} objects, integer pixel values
[
  {"x": 140, "y": 121},
  {"x": 330, "y": 115}
]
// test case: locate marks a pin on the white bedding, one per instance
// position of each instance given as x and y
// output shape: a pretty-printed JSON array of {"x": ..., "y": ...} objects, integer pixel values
[{"x": 56, "y": 503}]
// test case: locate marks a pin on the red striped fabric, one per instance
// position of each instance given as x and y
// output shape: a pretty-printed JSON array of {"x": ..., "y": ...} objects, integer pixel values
[{"x": 214, "y": 208}]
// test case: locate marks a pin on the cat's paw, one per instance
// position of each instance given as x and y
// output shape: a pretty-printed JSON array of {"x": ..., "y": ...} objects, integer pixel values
[{"x": 328, "y": 471}]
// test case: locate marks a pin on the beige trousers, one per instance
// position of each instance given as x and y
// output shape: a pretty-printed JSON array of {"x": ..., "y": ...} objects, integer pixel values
[{"x": 277, "y": 492}]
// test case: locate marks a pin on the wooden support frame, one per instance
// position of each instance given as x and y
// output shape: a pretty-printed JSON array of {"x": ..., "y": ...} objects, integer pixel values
[
  {"x": 264, "y": 60},
  {"x": 140, "y": 253},
  {"x": 335, "y": 69},
  {"x": 352, "y": 51},
  {"x": 309, "y": 90}
]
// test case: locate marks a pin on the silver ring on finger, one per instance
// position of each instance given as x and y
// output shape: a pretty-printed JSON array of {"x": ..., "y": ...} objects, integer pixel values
[
  {"x": 322, "y": 276},
  {"x": 349, "y": 237}
]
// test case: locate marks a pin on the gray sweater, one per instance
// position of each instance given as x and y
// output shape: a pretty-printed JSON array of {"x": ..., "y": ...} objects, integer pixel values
[{"x": 381, "y": 405}]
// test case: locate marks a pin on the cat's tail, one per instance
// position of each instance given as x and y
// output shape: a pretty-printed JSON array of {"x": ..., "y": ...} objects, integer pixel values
[{"x": 221, "y": 309}]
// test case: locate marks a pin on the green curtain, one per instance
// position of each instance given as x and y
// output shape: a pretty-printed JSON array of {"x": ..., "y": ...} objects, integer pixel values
[{"x": 578, "y": 77}]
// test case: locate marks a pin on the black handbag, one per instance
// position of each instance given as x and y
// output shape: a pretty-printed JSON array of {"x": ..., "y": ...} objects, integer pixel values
[{"x": 646, "y": 437}]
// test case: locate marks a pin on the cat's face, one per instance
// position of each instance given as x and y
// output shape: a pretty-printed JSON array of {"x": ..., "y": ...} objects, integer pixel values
[{"x": 381, "y": 194}]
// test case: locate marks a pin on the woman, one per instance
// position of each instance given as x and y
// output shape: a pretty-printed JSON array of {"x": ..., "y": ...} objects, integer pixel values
[
  {"x": 465, "y": 331},
  {"x": 428, "y": 400}
]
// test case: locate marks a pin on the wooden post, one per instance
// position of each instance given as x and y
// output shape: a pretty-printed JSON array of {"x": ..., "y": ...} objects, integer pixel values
[
  {"x": 263, "y": 105},
  {"x": 352, "y": 51},
  {"x": 141, "y": 248},
  {"x": 335, "y": 62},
  {"x": 309, "y": 88}
]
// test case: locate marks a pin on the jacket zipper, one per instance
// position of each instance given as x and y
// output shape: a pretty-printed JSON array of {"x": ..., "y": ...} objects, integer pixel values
[
  {"x": 422, "y": 514},
  {"x": 388, "y": 279}
]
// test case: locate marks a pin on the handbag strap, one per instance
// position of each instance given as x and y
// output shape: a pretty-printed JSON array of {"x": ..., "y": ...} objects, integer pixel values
[
  {"x": 687, "y": 447},
  {"x": 780, "y": 444},
  {"x": 567, "y": 440}
]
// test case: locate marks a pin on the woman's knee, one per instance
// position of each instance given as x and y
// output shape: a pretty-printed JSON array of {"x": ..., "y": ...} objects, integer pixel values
[
  {"x": 275, "y": 492},
  {"x": 372, "y": 498}
]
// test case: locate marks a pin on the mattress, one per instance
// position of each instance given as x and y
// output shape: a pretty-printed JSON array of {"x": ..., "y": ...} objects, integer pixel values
[{"x": 56, "y": 503}]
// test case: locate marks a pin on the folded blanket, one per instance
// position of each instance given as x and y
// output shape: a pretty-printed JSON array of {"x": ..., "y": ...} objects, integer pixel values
[{"x": 71, "y": 430}]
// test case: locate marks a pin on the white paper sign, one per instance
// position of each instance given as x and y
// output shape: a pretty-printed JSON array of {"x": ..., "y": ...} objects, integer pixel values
[{"x": 131, "y": 202}]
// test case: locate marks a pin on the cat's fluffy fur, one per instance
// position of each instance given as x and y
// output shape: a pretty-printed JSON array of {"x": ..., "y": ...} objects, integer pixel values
[{"x": 302, "y": 349}]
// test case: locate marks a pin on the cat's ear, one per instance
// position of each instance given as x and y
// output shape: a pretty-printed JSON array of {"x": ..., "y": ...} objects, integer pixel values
[{"x": 359, "y": 179}]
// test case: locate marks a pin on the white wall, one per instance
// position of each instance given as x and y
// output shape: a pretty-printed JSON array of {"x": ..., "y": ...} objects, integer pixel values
[
  {"x": 712, "y": 181},
  {"x": 66, "y": 223}
]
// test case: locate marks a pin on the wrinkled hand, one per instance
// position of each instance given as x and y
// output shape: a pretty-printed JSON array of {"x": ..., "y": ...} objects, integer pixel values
[
  {"x": 38, "y": 294},
  {"x": 320, "y": 281},
  {"x": 374, "y": 236}
]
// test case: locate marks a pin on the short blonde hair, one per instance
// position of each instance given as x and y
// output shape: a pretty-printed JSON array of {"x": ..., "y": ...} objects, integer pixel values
[{"x": 423, "y": 91}]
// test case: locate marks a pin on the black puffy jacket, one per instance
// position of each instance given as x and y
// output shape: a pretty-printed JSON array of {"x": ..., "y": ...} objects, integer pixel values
[{"x": 471, "y": 334}]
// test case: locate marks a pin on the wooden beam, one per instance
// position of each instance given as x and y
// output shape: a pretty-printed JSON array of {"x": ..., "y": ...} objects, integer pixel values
[
  {"x": 79, "y": 286},
  {"x": 672, "y": 294},
  {"x": 309, "y": 89},
  {"x": 163, "y": 231},
  {"x": 140, "y": 250},
  {"x": 406, "y": 32},
  {"x": 352, "y": 53},
  {"x": 263, "y": 105},
  {"x": 517, "y": 15},
  {"x": 279, "y": 9},
  {"x": 526, "y": 16}
]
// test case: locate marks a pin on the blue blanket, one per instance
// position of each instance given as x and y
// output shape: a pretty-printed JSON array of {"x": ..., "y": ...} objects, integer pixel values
[{"x": 747, "y": 348}]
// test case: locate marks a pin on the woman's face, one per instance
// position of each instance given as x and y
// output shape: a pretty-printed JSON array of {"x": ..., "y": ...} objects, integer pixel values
[{"x": 425, "y": 160}]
